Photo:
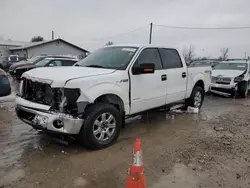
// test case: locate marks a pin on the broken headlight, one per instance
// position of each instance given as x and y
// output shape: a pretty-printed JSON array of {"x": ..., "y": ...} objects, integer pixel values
[
  {"x": 71, "y": 96},
  {"x": 21, "y": 89},
  {"x": 49, "y": 94},
  {"x": 238, "y": 79}
]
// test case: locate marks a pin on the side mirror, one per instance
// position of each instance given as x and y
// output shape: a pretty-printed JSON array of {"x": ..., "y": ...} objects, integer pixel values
[{"x": 144, "y": 68}]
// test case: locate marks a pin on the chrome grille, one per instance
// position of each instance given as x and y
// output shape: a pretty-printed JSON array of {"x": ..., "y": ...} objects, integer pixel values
[{"x": 221, "y": 80}]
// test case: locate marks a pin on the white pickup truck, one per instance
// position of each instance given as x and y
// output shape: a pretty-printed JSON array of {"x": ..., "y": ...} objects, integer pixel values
[{"x": 92, "y": 99}]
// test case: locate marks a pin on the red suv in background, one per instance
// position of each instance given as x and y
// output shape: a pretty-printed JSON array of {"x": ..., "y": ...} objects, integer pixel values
[
  {"x": 4, "y": 64},
  {"x": 31, "y": 61}
]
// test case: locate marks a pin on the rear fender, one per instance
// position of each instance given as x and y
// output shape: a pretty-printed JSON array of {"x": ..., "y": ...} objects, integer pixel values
[{"x": 196, "y": 78}]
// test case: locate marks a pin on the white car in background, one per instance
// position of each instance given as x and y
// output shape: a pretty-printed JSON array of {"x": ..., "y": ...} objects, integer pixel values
[{"x": 230, "y": 78}]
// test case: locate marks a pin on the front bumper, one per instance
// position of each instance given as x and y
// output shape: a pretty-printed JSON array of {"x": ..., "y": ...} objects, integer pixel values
[
  {"x": 223, "y": 89},
  {"x": 39, "y": 117}
]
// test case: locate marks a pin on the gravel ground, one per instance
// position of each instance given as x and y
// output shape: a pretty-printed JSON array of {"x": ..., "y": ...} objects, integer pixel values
[{"x": 209, "y": 149}]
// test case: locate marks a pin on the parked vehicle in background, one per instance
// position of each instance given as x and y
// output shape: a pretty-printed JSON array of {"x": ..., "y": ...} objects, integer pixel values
[
  {"x": 13, "y": 59},
  {"x": 31, "y": 61},
  {"x": 4, "y": 64},
  {"x": 231, "y": 78},
  {"x": 5, "y": 88},
  {"x": 199, "y": 63},
  {"x": 47, "y": 62},
  {"x": 92, "y": 99}
]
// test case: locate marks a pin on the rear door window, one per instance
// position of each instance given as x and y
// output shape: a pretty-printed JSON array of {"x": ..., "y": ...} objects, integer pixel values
[
  {"x": 170, "y": 58},
  {"x": 68, "y": 63},
  {"x": 56, "y": 63}
]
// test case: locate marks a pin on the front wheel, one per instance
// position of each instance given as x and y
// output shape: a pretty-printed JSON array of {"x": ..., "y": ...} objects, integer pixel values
[
  {"x": 101, "y": 127},
  {"x": 196, "y": 98},
  {"x": 243, "y": 89}
]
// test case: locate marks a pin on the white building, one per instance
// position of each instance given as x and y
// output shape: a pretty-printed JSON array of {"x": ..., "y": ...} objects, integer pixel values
[
  {"x": 52, "y": 47},
  {"x": 5, "y": 46}
]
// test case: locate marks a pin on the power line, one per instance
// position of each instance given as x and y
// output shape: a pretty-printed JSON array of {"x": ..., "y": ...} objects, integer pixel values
[
  {"x": 121, "y": 34},
  {"x": 203, "y": 28}
]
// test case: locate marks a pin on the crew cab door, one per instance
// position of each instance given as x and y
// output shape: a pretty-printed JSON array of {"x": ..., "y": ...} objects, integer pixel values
[
  {"x": 176, "y": 75},
  {"x": 148, "y": 90}
]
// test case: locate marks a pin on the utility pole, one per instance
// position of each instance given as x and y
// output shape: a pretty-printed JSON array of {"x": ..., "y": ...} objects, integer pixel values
[
  {"x": 52, "y": 35},
  {"x": 150, "y": 33}
]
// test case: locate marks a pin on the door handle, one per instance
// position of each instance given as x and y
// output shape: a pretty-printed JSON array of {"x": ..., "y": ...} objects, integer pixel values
[
  {"x": 163, "y": 77},
  {"x": 184, "y": 74}
]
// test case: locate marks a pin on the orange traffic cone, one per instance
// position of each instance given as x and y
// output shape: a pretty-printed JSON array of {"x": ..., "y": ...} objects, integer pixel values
[{"x": 136, "y": 178}]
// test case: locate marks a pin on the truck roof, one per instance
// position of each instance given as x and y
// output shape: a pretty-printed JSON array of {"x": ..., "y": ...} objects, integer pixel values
[
  {"x": 61, "y": 58},
  {"x": 141, "y": 46},
  {"x": 236, "y": 61}
]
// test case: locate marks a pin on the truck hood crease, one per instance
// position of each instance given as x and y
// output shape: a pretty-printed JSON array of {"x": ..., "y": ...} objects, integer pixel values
[{"x": 59, "y": 76}]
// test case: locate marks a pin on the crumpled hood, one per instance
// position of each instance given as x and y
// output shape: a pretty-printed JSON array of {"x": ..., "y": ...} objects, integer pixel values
[
  {"x": 227, "y": 73},
  {"x": 58, "y": 76}
]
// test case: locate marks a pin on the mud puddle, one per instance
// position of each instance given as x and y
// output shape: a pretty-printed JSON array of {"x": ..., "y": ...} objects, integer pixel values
[{"x": 27, "y": 154}]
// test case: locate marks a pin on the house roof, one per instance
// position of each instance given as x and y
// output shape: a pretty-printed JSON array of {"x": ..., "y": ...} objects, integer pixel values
[
  {"x": 34, "y": 44},
  {"x": 12, "y": 43}
]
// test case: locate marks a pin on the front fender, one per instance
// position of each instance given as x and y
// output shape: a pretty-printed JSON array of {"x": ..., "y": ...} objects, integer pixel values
[{"x": 101, "y": 89}]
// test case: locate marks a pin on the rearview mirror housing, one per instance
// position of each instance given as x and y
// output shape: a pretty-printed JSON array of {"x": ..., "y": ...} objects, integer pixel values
[{"x": 144, "y": 68}]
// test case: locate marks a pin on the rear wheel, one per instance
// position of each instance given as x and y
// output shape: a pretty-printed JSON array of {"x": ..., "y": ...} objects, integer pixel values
[
  {"x": 101, "y": 127},
  {"x": 243, "y": 89},
  {"x": 196, "y": 98}
]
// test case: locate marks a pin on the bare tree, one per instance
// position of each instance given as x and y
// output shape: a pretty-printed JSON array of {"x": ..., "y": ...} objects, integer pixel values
[
  {"x": 224, "y": 53},
  {"x": 37, "y": 39},
  {"x": 188, "y": 53},
  {"x": 109, "y": 43}
]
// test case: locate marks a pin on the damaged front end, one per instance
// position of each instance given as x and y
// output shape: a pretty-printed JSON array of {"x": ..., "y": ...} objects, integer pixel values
[
  {"x": 47, "y": 108},
  {"x": 226, "y": 85}
]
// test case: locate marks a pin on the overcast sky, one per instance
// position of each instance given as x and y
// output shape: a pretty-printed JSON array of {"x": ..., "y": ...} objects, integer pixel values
[{"x": 90, "y": 24}]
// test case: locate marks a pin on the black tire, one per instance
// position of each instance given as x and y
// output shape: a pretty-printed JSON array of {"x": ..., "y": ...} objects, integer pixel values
[
  {"x": 86, "y": 136},
  {"x": 243, "y": 90},
  {"x": 191, "y": 101},
  {"x": 233, "y": 93}
]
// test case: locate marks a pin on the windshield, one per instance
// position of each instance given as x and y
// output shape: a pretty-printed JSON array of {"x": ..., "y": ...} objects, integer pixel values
[
  {"x": 43, "y": 62},
  {"x": 33, "y": 60},
  {"x": 111, "y": 58},
  {"x": 231, "y": 66}
]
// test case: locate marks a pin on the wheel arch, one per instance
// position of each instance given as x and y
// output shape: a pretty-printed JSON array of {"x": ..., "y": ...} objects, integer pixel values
[
  {"x": 200, "y": 83},
  {"x": 112, "y": 99}
]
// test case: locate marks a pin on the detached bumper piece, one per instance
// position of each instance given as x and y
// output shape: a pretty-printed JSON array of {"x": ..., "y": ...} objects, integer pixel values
[{"x": 48, "y": 121}]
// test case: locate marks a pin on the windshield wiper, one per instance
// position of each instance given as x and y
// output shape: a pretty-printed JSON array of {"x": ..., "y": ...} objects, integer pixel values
[{"x": 96, "y": 66}]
